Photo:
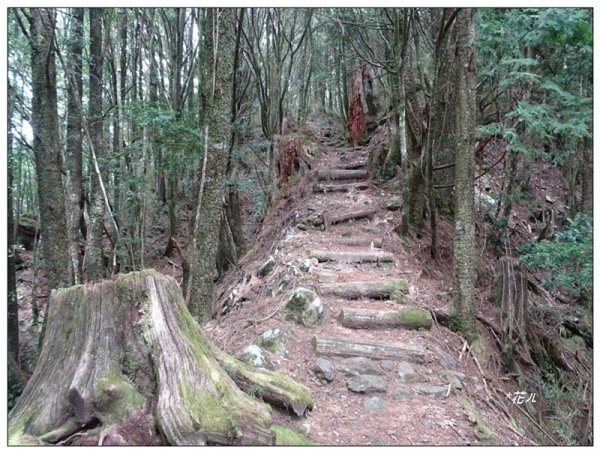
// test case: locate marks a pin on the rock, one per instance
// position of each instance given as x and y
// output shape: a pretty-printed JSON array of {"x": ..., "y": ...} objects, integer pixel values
[
  {"x": 388, "y": 365},
  {"x": 355, "y": 366},
  {"x": 393, "y": 204},
  {"x": 289, "y": 232},
  {"x": 305, "y": 265},
  {"x": 323, "y": 369},
  {"x": 435, "y": 391},
  {"x": 273, "y": 340},
  {"x": 400, "y": 393},
  {"x": 255, "y": 356},
  {"x": 451, "y": 361},
  {"x": 304, "y": 307},
  {"x": 267, "y": 267},
  {"x": 374, "y": 404},
  {"x": 406, "y": 373},
  {"x": 454, "y": 378},
  {"x": 366, "y": 383},
  {"x": 327, "y": 277}
]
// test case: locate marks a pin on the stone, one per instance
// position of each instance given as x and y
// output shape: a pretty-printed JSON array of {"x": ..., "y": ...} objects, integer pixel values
[
  {"x": 323, "y": 369},
  {"x": 354, "y": 366},
  {"x": 267, "y": 267},
  {"x": 451, "y": 361},
  {"x": 454, "y": 378},
  {"x": 256, "y": 357},
  {"x": 304, "y": 307},
  {"x": 393, "y": 204},
  {"x": 327, "y": 277},
  {"x": 273, "y": 340},
  {"x": 374, "y": 403},
  {"x": 305, "y": 265},
  {"x": 388, "y": 365},
  {"x": 400, "y": 393},
  {"x": 435, "y": 391},
  {"x": 406, "y": 373},
  {"x": 366, "y": 383}
]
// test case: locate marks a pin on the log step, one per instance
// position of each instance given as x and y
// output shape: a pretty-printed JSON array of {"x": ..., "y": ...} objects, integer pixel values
[
  {"x": 324, "y": 188},
  {"x": 359, "y": 318},
  {"x": 346, "y": 347},
  {"x": 354, "y": 165},
  {"x": 389, "y": 289},
  {"x": 340, "y": 174},
  {"x": 355, "y": 242},
  {"x": 351, "y": 257},
  {"x": 354, "y": 215}
]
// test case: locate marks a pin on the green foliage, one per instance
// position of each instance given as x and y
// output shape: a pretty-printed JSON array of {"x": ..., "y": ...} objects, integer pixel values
[{"x": 567, "y": 261}]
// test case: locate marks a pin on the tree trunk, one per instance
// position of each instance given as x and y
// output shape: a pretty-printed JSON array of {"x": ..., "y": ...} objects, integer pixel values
[
  {"x": 11, "y": 281},
  {"x": 95, "y": 268},
  {"x": 357, "y": 318},
  {"x": 587, "y": 183},
  {"x": 46, "y": 146},
  {"x": 464, "y": 220},
  {"x": 74, "y": 148},
  {"x": 357, "y": 119},
  {"x": 203, "y": 248},
  {"x": 345, "y": 347},
  {"x": 129, "y": 346}
]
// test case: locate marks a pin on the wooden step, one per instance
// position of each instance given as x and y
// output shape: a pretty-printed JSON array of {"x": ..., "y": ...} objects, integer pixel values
[
  {"x": 388, "y": 289},
  {"x": 354, "y": 165},
  {"x": 324, "y": 188},
  {"x": 351, "y": 257},
  {"x": 339, "y": 174},
  {"x": 346, "y": 347},
  {"x": 354, "y": 242},
  {"x": 359, "y": 318}
]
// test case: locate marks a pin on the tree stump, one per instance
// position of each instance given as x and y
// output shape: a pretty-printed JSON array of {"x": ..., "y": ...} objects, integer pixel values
[{"x": 129, "y": 346}]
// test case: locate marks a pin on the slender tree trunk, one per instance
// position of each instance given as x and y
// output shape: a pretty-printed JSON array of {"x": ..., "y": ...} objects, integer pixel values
[
  {"x": 464, "y": 220},
  {"x": 73, "y": 153},
  {"x": 13, "y": 305},
  {"x": 46, "y": 146},
  {"x": 202, "y": 251},
  {"x": 587, "y": 184},
  {"x": 95, "y": 269}
]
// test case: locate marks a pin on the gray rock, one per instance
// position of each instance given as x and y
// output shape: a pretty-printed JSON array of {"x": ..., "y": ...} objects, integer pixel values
[
  {"x": 273, "y": 340},
  {"x": 289, "y": 232},
  {"x": 305, "y": 265},
  {"x": 454, "y": 378},
  {"x": 267, "y": 267},
  {"x": 387, "y": 365},
  {"x": 255, "y": 356},
  {"x": 374, "y": 404},
  {"x": 451, "y": 361},
  {"x": 323, "y": 369},
  {"x": 435, "y": 391},
  {"x": 393, "y": 204},
  {"x": 406, "y": 373},
  {"x": 400, "y": 393},
  {"x": 366, "y": 383},
  {"x": 355, "y": 366},
  {"x": 304, "y": 307}
]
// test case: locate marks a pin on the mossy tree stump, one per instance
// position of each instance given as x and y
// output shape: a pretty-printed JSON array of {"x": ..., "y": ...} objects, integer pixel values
[{"x": 129, "y": 347}]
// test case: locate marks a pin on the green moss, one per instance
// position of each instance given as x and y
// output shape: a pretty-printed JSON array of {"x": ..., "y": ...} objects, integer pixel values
[
  {"x": 16, "y": 431},
  {"x": 482, "y": 431},
  {"x": 398, "y": 289},
  {"x": 115, "y": 398},
  {"x": 285, "y": 436},
  {"x": 415, "y": 319}
]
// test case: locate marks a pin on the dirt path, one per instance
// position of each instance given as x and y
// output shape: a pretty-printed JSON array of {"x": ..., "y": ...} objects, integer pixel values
[{"x": 414, "y": 397}]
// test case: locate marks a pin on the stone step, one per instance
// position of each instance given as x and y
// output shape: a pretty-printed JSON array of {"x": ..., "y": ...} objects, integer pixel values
[
  {"x": 359, "y": 318},
  {"x": 351, "y": 257},
  {"x": 350, "y": 347},
  {"x": 387, "y": 289}
]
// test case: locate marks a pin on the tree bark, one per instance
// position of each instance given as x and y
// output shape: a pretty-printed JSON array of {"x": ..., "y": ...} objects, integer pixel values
[
  {"x": 127, "y": 346},
  {"x": 356, "y": 318},
  {"x": 94, "y": 266},
  {"x": 74, "y": 148},
  {"x": 202, "y": 252},
  {"x": 390, "y": 289},
  {"x": 464, "y": 221},
  {"x": 46, "y": 146},
  {"x": 344, "y": 347}
]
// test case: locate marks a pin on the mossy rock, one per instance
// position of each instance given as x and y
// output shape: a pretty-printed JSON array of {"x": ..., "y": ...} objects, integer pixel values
[
  {"x": 287, "y": 437},
  {"x": 482, "y": 431},
  {"x": 304, "y": 307},
  {"x": 273, "y": 340},
  {"x": 393, "y": 204}
]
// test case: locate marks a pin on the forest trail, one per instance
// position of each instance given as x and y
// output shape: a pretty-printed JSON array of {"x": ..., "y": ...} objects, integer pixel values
[{"x": 384, "y": 383}]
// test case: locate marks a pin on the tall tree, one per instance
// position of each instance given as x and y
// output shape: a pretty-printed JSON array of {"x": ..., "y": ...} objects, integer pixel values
[
  {"x": 95, "y": 268},
  {"x": 46, "y": 146},
  {"x": 74, "y": 147},
  {"x": 464, "y": 219},
  {"x": 202, "y": 251},
  {"x": 13, "y": 306}
]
